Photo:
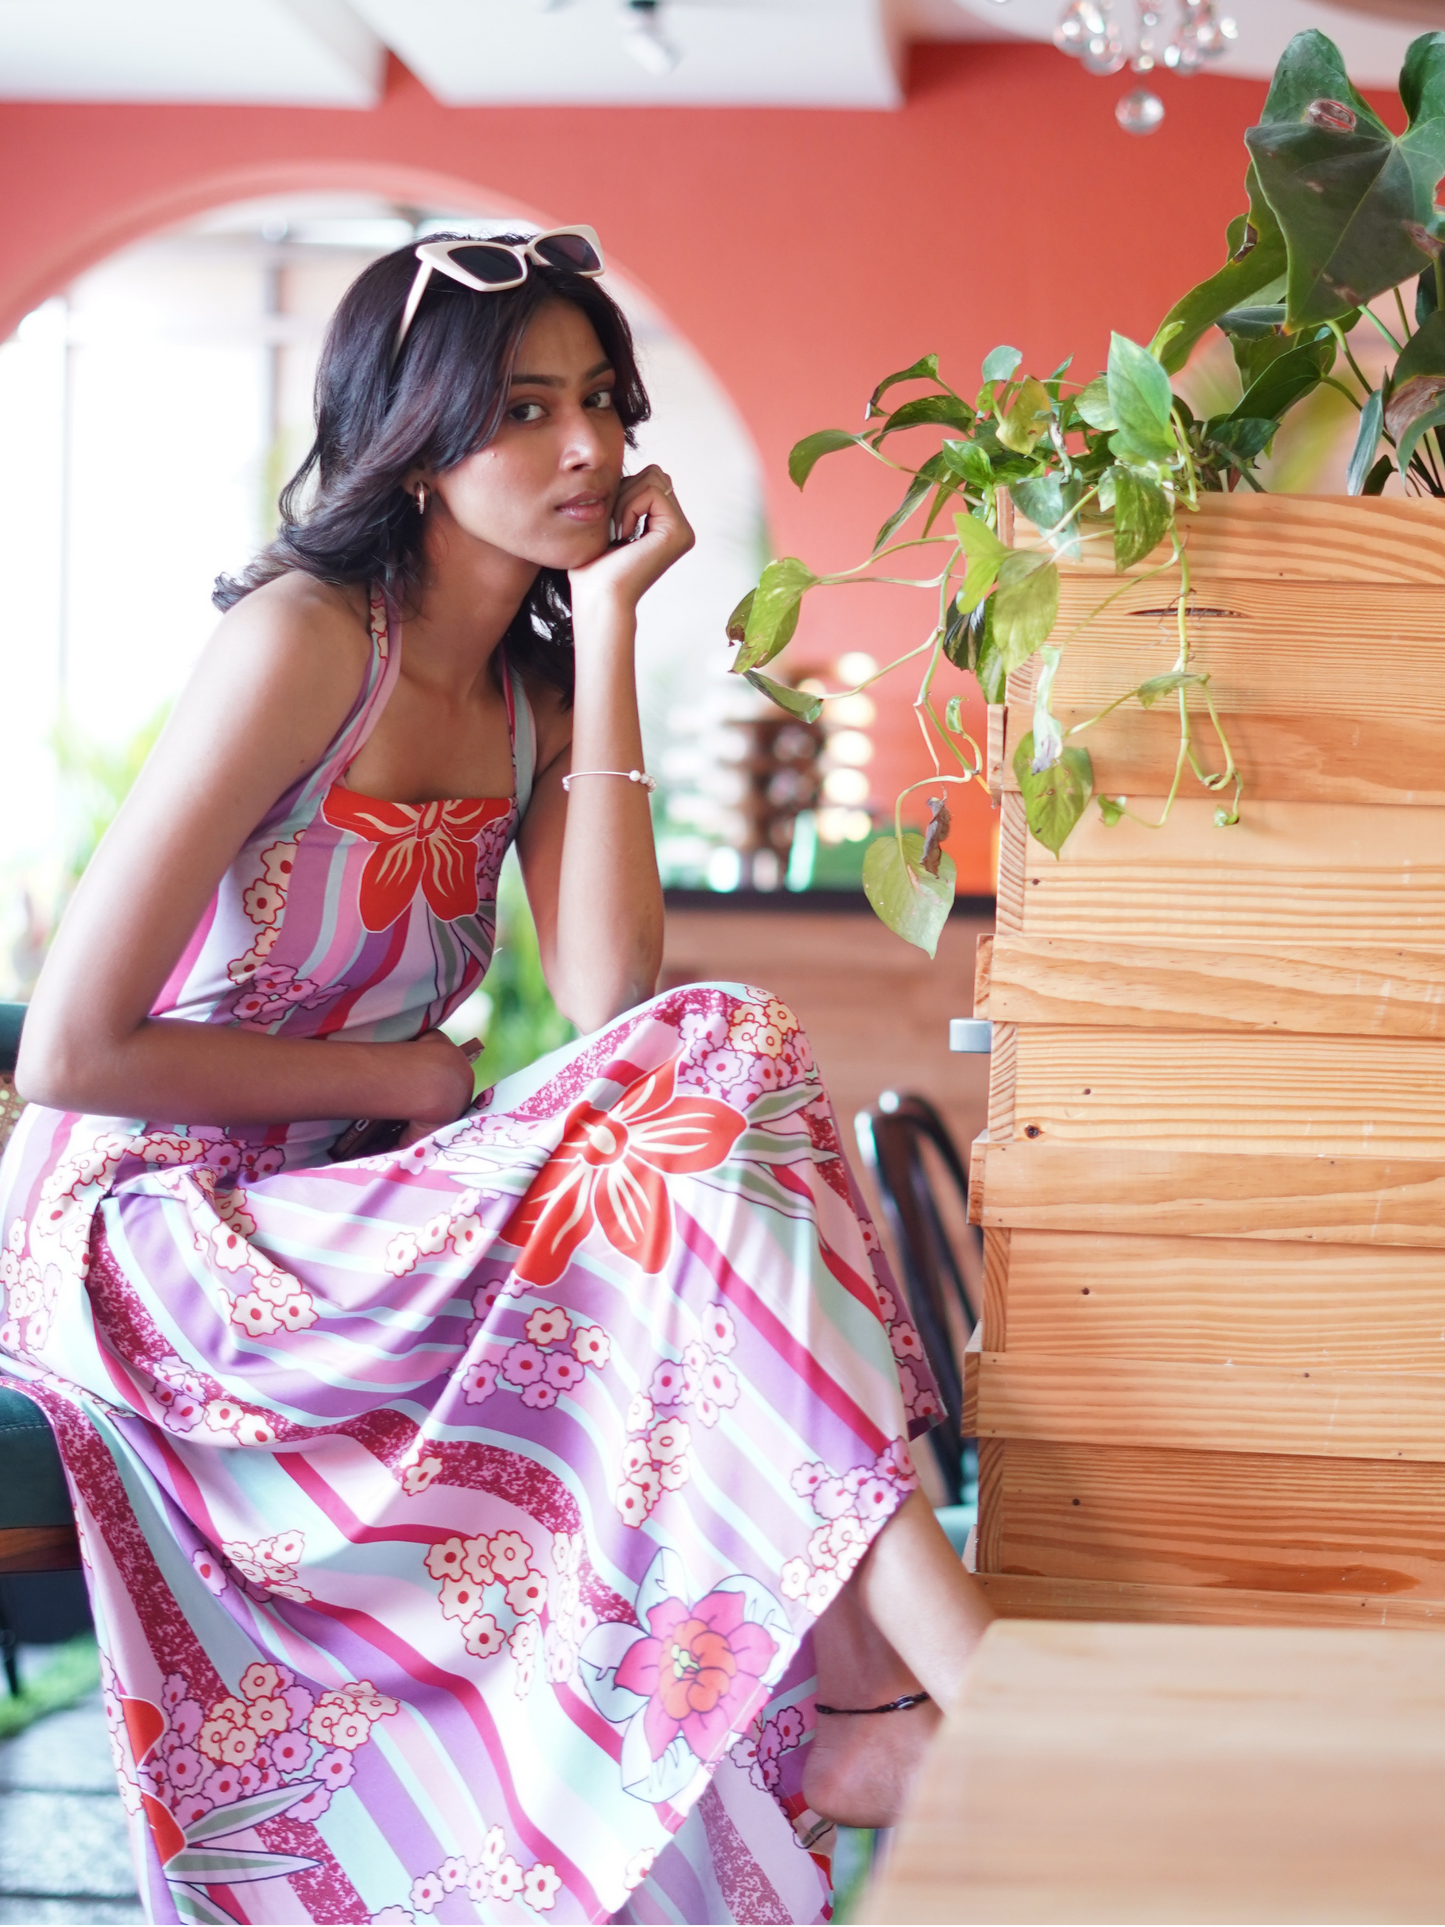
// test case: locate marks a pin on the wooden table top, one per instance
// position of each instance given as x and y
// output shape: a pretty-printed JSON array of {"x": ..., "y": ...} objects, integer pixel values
[{"x": 1181, "y": 1773}]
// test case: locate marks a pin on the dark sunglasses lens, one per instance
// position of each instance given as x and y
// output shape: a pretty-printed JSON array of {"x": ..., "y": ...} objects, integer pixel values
[
  {"x": 493, "y": 265},
  {"x": 572, "y": 251}
]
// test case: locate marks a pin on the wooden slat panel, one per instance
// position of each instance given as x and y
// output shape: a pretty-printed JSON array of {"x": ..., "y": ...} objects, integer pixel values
[
  {"x": 1003, "y": 1061},
  {"x": 1180, "y": 1406},
  {"x": 1015, "y": 1596},
  {"x": 994, "y": 748},
  {"x": 1014, "y": 846},
  {"x": 1201, "y": 1090},
  {"x": 1360, "y": 991},
  {"x": 1223, "y": 1521},
  {"x": 982, "y": 972},
  {"x": 996, "y": 1287},
  {"x": 1268, "y": 648},
  {"x": 1128, "y": 1188},
  {"x": 1294, "y": 538},
  {"x": 990, "y": 1513},
  {"x": 1213, "y": 1300},
  {"x": 1312, "y": 759},
  {"x": 1289, "y": 872}
]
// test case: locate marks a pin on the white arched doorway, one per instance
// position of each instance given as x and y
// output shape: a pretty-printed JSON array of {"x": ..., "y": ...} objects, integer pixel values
[{"x": 150, "y": 413}]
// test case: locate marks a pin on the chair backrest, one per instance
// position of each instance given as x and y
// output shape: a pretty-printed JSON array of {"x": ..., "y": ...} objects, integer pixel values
[
  {"x": 908, "y": 1147},
  {"x": 12, "y": 1019}
]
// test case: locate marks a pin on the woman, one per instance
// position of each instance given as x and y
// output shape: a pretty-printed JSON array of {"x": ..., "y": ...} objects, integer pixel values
[{"x": 475, "y": 1512}]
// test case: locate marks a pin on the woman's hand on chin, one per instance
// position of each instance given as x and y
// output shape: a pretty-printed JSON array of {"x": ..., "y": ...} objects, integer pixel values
[{"x": 629, "y": 568}]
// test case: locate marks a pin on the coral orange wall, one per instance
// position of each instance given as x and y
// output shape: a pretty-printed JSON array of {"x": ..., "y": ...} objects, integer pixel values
[{"x": 804, "y": 253}]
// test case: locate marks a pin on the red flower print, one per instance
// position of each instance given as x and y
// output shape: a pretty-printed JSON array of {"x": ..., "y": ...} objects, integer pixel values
[
  {"x": 701, "y": 1669},
  {"x": 610, "y": 1168},
  {"x": 431, "y": 845}
]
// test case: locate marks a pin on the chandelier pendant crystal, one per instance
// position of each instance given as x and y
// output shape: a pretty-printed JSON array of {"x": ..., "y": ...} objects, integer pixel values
[{"x": 1182, "y": 35}]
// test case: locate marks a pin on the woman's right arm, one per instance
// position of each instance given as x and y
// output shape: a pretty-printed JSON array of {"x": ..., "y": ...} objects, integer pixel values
[{"x": 273, "y": 687}]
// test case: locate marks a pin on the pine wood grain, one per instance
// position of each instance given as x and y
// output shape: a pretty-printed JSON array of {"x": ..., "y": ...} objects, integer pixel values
[
  {"x": 990, "y": 1511},
  {"x": 1203, "y": 1090},
  {"x": 1098, "y": 1295},
  {"x": 1220, "y": 1521},
  {"x": 1349, "y": 991},
  {"x": 1014, "y": 847},
  {"x": 1002, "y": 1070},
  {"x": 1178, "y": 1406},
  {"x": 1292, "y": 538},
  {"x": 1124, "y": 1773},
  {"x": 982, "y": 975},
  {"x": 997, "y": 1263},
  {"x": 39, "y": 1549},
  {"x": 994, "y": 748},
  {"x": 1015, "y": 1596}
]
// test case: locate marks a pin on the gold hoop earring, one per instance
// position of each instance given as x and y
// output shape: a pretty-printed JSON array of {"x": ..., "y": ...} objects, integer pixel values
[{"x": 421, "y": 498}]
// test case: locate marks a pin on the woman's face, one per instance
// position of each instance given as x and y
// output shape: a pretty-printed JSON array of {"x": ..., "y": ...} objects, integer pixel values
[{"x": 542, "y": 490}]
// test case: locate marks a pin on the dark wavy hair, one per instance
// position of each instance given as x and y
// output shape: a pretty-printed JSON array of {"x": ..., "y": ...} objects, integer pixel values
[{"x": 345, "y": 516}]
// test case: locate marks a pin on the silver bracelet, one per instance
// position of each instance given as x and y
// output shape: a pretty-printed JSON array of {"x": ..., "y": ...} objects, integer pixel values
[{"x": 629, "y": 775}]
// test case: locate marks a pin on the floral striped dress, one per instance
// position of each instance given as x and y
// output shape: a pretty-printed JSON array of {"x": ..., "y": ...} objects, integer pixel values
[{"x": 456, "y": 1518}]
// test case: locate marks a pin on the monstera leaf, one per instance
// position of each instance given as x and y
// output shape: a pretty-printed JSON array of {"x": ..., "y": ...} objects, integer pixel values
[{"x": 1356, "y": 203}]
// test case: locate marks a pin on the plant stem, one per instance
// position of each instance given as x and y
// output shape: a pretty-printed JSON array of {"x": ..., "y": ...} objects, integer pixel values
[
  {"x": 1328, "y": 381},
  {"x": 1370, "y": 315},
  {"x": 1404, "y": 321},
  {"x": 1339, "y": 334}
]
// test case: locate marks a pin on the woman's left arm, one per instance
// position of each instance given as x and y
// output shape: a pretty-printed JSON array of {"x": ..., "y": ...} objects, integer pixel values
[{"x": 588, "y": 855}]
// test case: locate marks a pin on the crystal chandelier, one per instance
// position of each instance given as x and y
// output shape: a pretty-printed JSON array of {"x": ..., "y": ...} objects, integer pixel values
[{"x": 1183, "y": 35}]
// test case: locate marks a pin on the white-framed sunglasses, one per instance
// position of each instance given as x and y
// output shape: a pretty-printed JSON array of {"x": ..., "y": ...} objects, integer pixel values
[{"x": 490, "y": 267}]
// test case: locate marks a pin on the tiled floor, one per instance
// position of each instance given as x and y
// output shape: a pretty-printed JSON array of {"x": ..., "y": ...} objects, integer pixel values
[{"x": 63, "y": 1850}]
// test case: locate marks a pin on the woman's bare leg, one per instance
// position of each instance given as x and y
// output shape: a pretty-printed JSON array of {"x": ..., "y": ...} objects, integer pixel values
[{"x": 909, "y": 1618}]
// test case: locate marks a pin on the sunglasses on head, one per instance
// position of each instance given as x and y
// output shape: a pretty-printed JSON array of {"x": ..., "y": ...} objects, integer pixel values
[{"x": 489, "y": 267}]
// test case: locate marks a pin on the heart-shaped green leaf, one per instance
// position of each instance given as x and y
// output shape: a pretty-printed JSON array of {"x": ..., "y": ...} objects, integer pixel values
[
  {"x": 1028, "y": 417},
  {"x": 985, "y": 555},
  {"x": 913, "y": 904},
  {"x": 1171, "y": 681},
  {"x": 925, "y": 369},
  {"x": 1142, "y": 514},
  {"x": 773, "y": 614},
  {"x": 999, "y": 363},
  {"x": 1094, "y": 406},
  {"x": 1055, "y": 798},
  {"x": 805, "y": 454},
  {"x": 1025, "y": 605},
  {"x": 970, "y": 461},
  {"x": 798, "y": 702},
  {"x": 1140, "y": 396}
]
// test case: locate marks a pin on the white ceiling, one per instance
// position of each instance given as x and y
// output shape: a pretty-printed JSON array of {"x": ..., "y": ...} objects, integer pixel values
[{"x": 332, "y": 53}]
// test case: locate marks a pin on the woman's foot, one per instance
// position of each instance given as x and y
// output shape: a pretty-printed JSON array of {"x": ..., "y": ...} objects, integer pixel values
[{"x": 860, "y": 1766}]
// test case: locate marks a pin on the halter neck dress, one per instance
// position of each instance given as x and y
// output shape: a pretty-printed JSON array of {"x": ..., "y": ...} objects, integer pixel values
[{"x": 456, "y": 1518}]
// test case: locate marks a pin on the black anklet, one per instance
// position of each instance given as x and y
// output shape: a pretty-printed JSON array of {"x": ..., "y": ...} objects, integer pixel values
[{"x": 893, "y": 1706}]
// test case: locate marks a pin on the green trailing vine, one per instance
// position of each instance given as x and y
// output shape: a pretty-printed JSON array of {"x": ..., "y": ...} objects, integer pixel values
[{"x": 1341, "y": 211}]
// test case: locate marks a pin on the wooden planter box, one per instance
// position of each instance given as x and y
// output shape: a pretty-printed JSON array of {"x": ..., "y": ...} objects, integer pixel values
[{"x": 1210, "y": 1381}]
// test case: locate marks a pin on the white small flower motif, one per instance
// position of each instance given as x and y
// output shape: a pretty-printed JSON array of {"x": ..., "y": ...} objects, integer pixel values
[
  {"x": 479, "y": 1884},
  {"x": 669, "y": 1440},
  {"x": 720, "y": 1384},
  {"x": 640, "y": 1412},
  {"x": 434, "y": 1234},
  {"x": 507, "y": 1880},
  {"x": 717, "y": 1329},
  {"x": 905, "y": 1342},
  {"x": 823, "y": 1588},
  {"x": 209, "y": 1571},
  {"x": 483, "y": 1636},
  {"x": 255, "y": 1429},
  {"x": 794, "y": 1579},
  {"x": 547, "y": 1325},
  {"x": 540, "y": 1887},
  {"x": 704, "y": 1409},
  {"x": 427, "y": 1893},
  {"x": 632, "y": 1503},
  {"x": 228, "y": 1248},
  {"x": 591, "y": 1346},
  {"x": 493, "y": 1847},
  {"x": 675, "y": 1475},
  {"x": 668, "y": 1385},
  {"x": 469, "y": 1237},
  {"x": 638, "y": 1868},
  {"x": 416, "y": 1477},
  {"x": 389, "y": 1916},
  {"x": 452, "y": 1873},
  {"x": 401, "y": 1254},
  {"x": 831, "y": 1498},
  {"x": 635, "y": 1455}
]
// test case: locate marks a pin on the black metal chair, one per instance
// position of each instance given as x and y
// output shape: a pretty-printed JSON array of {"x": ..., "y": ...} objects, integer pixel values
[
  {"x": 899, "y": 1142},
  {"x": 37, "y": 1527}
]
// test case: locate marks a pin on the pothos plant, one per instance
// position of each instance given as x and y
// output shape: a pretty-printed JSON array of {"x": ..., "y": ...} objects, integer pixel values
[{"x": 1341, "y": 212}]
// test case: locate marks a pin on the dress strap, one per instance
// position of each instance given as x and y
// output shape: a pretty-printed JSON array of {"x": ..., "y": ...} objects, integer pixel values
[{"x": 522, "y": 730}]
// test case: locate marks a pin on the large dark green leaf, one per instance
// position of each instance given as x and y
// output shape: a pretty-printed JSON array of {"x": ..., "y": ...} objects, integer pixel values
[
  {"x": 925, "y": 369},
  {"x": 912, "y": 903},
  {"x": 1352, "y": 199},
  {"x": 1140, "y": 398},
  {"x": 1141, "y": 516},
  {"x": 1256, "y": 261},
  {"x": 805, "y": 454},
  {"x": 928, "y": 411},
  {"x": 1285, "y": 379},
  {"x": 773, "y": 612},
  {"x": 1240, "y": 440},
  {"x": 1055, "y": 798}
]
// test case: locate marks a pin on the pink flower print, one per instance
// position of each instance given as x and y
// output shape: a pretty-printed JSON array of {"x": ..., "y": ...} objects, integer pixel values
[
  {"x": 668, "y": 1385},
  {"x": 255, "y": 1429},
  {"x": 547, "y": 1325},
  {"x": 636, "y": 1454},
  {"x": 701, "y": 1670},
  {"x": 908, "y": 1385},
  {"x": 268, "y": 1716},
  {"x": 312, "y": 1807},
  {"x": 300, "y": 1703},
  {"x": 522, "y": 1365},
  {"x": 540, "y": 1396},
  {"x": 252, "y": 1778},
  {"x": 591, "y": 1346},
  {"x": 703, "y": 1030},
  {"x": 704, "y": 1409},
  {"x": 479, "y": 1381},
  {"x": 633, "y": 1503},
  {"x": 348, "y": 1730},
  {"x": 718, "y": 1330},
  {"x": 185, "y": 1769},
  {"x": 186, "y": 1721},
  {"x": 228, "y": 1248},
  {"x": 335, "y": 1769},
  {"x": 416, "y": 1477},
  {"x": 925, "y": 1405},
  {"x": 674, "y": 1475},
  {"x": 887, "y": 1308},
  {"x": 778, "y": 1014},
  {"x": 770, "y": 1073},
  {"x": 847, "y": 1543},
  {"x": 263, "y": 902},
  {"x": 446, "y": 1558},
  {"x": 510, "y": 1554},
  {"x": 183, "y": 1414},
  {"x": 611, "y": 1169},
  {"x": 831, "y": 1498},
  {"x": 527, "y": 1594},
  {"x": 173, "y": 1691},
  {"x": 434, "y": 1234},
  {"x": 540, "y": 1887},
  {"x": 493, "y": 1847},
  {"x": 648, "y": 1480},
  {"x": 469, "y": 1237},
  {"x": 877, "y": 1498},
  {"x": 223, "y": 1786},
  {"x": 508, "y": 1880},
  {"x": 822, "y": 1589},
  {"x": 238, "y": 1746},
  {"x": 460, "y": 1598},
  {"x": 452, "y": 1872},
  {"x": 290, "y": 1752},
  {"x": 427, "y": 1893},
  {"x": 478, "y": 1560},
  {"x": 640, "y": 1413},
  {"x": 401, "y": 1254},
  {"x": 254, "y": 1315},
  {"x": 563, "y": 1373},
  {"x": 895, "y": 1461},
  {"x": 479, "y": 1884},
  {"x": 905, "y": 1342},
  {"x": 638, "y": 1868},
  {"x": 483, "y": 1636},
  {"x": 724, "y": 1069},
  {"x": 189, "y": 1809},
  {"x": 719, "y": 1384},
  {"x": 248, "y": 1008},
  {"x": 669, "y": 1440},
  {"x": 296, "y": 1312},
  {"x": 790, "y": 1725}
]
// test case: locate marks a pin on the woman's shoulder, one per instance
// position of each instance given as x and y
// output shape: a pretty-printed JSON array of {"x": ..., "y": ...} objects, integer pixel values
[{"x": 297, "y": 613}]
